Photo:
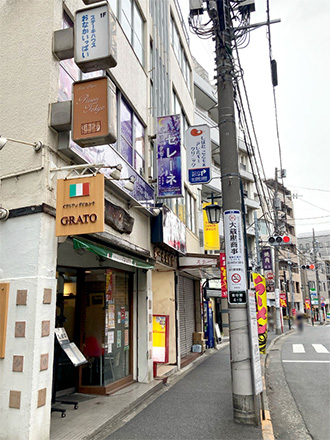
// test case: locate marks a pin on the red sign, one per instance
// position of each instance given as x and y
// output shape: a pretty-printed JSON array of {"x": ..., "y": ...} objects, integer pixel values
[
  {"x": 293, "y": 312},
  {"x": 270, "y": 276},
  {"x": 223, "y": 274},
  {"x": 307, "y": 304},
  {"x": 283, "y": 300}
]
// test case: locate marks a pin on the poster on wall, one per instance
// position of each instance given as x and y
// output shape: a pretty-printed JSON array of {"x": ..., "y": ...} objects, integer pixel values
[
  {"x": 111, "y": 316},
  {"x": 261, "y": 294},
  {"x": 118, "y": 338},
  {"x": 169, "y": 156},
  {"x": 160, "y": 333}
]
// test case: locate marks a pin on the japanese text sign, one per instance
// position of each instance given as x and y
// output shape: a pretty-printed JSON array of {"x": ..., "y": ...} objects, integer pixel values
[
  {"x": 260, "y": 286},
  {"x": 198, "y": 145},
  {"x": 211, "y": 233},
  {"x": 93, "y": 112},
  {"x": 95, "y": 38},
  {"x": 235, "y": 262},
  {"x": 307, "y": 304},
  {"x": 267, "y": 259},
  {"x": 283, "y": 302},
  {"x": 80, "y": 205},
  {"x": 223, "y": 275},
  {"x": 169, "y": 156}
]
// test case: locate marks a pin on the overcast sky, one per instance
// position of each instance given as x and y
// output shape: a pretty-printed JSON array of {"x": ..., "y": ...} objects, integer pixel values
[{"x": 301, "y": 47}]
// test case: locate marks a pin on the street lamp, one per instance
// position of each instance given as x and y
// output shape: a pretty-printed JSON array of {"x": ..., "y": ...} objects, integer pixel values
[{"x": 213, "y": 211}]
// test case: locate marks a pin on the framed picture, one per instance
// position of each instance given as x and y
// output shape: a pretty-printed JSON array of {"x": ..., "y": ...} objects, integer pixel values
[{"x": 96, "y": 299}]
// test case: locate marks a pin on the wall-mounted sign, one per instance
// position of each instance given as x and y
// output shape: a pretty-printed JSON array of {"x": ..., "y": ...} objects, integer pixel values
[
  {"x": 169, "y": 156},
  {"x": 160, "y": 333},
  {"x": 165, "y": 257},
  {"x": 235, "y": 261},
  {"x": 95, "y": 41},
  {"x": 94, "y": 116},
  {"x": 198, "y": 144},
  {"x": 211, "y": 233},
  {"x": 168, "y": 229},
  {"x": 283, "y": 302},
  {"x": 307, "y": 304},
  {"x": 80, "y": 205}
]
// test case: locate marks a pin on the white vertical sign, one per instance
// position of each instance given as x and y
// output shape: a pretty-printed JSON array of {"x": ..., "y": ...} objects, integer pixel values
[
  {"x": 235, "y": 258},
  {"x": 198, "y": 145}
]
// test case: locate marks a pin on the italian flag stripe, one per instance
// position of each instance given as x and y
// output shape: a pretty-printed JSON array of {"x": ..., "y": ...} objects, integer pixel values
[{"x": 79, "y": 189}]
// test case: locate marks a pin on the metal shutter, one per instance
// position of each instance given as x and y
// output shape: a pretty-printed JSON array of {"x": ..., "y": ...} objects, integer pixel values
[{"x": 186, "y": 314}]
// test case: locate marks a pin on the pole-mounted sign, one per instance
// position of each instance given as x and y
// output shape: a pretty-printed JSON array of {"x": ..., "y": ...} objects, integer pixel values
[
  {"x": 198, "y": 145},
  {"x": 235, "y": 261}
]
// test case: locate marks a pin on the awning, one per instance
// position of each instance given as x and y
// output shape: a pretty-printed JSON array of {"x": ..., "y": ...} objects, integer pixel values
[
  {"x": 104, "y": 252},
  {"x": 201, "y": 266}
]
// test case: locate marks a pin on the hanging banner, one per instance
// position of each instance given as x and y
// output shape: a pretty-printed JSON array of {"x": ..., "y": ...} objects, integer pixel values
[
  {"x": 198, "y": 146},
  {"x": 169, "y": 156},
  {"x": 260, "y": 286},
  {"x": 235, "y": 258},
  {"x": 267, "y": 259},
  {"x": 211, "y": 233},
  {"x": 283, "y": 302},
  {"x": 307, "y": 304},
  {"x": 223, "y": 275}
]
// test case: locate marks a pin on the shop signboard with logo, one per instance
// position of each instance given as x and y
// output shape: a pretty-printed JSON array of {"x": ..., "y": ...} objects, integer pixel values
[
  {"x": 94, "y": 115},
  {"x": 95, "y": 45},
  {"x": 169, "y": 156},
  {"x": 80, "y": 205},
  {"x": 198, "y": 145}
]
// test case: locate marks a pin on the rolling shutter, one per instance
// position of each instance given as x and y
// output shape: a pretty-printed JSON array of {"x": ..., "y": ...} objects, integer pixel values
[{"x": 186, "y": 314}]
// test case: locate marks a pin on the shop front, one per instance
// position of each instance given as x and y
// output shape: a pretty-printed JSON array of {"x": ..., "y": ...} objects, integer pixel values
[{"x": 95, "y": 298}]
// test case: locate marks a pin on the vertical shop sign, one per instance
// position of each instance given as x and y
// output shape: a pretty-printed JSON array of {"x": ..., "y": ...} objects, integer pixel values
[
  {"x": 307, "y": 304},
  {"x": 169, "y": 156},
  {"x": 267, "y": 259},
  {"x": 223, "y": 275},
  {"x": 260, "y": 286},
  {"x": 95, "y": 45},
  {"x": 283, "y": 302},
  {"x": 198, "y": 145},
  {"x": 160, "y": 332},
  {"x": 235, "y": 259},
  {"x": 257, "y": 375},
  {"x": 211, "y": 233}
]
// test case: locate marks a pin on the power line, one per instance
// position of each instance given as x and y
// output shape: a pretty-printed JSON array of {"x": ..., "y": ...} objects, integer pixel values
[
  {"x": 310, "y": 189},
  {"x": 318, "y": 207}
]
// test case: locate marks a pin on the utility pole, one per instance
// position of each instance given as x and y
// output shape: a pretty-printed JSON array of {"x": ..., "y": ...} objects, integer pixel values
[
  {"x": 277, "y": 264},
  {"x": 244, "y": 402},
  {"x": 317, "y": 285},
  {"x": 256, "y": 230}
]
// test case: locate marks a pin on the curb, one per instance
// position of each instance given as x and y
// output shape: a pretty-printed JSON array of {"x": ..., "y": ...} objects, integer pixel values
[{"x": 266, "y": 421}]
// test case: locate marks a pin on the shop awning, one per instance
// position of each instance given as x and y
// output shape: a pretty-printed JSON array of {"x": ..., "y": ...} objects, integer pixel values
[{"x": 104, "y": 252}]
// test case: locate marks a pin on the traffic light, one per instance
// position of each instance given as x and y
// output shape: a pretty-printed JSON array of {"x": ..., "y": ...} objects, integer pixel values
[
  {"x": 279, "y": 240},
  {"x": 308, "y": 266}
]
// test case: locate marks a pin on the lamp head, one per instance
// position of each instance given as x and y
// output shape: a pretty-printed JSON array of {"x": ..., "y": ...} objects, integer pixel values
[
  {"x": 129, "y": 184},
  {"x": 115, "y": 174}
]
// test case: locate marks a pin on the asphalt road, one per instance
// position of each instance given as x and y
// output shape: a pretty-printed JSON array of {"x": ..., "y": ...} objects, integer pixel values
[
  {"x": 198, "y": 406},
  {"x": 298, "y": 385}
]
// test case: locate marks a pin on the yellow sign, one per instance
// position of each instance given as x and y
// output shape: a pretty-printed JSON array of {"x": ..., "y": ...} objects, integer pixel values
[
  {"x": 211, "y": 233},
  {"x": 80, "y": 205},
  {"x": 261, "y": 294},
  {"x": 160, "y": 338}
]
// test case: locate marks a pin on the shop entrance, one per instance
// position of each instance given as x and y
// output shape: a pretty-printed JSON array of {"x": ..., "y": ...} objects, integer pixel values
[{"x": 95, "y": 308}]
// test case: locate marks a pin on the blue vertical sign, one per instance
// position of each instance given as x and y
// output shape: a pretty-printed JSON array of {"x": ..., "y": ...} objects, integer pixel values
[{"x": 169, "y": 156}]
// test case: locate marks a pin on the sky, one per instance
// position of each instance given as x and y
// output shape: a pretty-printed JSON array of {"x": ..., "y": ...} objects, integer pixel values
[{"x": 301, "y": 47}]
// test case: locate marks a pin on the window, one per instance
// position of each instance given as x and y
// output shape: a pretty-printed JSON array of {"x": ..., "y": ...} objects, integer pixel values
[
  {"x": 180, "y": 54},
  {"x": 132, "y": 146},
  {"x": 190, "y": 219},
  {"x": 131, "y": 21}
]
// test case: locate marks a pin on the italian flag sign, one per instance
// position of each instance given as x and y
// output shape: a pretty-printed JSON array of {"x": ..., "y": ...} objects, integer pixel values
[{"x": 79, "y": 189}]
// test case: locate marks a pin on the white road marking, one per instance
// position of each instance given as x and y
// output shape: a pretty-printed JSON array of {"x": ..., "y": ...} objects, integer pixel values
[
  {"x": 319, "y": 348},
  {"x": 311, "y": 362},
  {"x": 298, "y": 348}
]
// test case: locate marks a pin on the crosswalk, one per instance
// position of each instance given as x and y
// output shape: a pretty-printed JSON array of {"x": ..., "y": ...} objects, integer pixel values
[{"x": 299, "y": 348}]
